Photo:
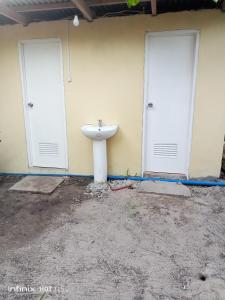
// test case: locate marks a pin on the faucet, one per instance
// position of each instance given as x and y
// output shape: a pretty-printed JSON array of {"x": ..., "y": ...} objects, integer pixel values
[{"x": 100, "y": 123}]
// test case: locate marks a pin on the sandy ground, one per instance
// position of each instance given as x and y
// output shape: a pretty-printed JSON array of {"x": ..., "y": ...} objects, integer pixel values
[{"x": 115, "y": 245}]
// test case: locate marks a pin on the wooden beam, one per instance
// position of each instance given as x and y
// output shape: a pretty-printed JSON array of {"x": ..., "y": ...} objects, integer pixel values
[
  {"x": 105, "y": 2},
  {"x": 12, "y": 14},
  {"x": 154, "y": 7},
  {"x": 84, "y": 8},
  {"x": 42, "y": 7}
]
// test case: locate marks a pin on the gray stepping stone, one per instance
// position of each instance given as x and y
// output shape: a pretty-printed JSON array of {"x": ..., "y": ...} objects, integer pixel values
[
  {"x": 164, "y": 188},
  {"x": 37, "y": 184}
]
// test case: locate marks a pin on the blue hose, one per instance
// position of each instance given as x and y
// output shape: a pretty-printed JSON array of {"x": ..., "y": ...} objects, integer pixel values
[
  {"x": 183, "y": 181},
  {"x": 135, "y": 178}
]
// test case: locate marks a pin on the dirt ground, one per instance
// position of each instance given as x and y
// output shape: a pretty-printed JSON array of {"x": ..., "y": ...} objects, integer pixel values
[{"x": 75, "y": 244}]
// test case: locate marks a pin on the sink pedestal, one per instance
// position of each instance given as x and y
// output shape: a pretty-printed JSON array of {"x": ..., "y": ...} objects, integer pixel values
[{"x": 100, "y": 161}]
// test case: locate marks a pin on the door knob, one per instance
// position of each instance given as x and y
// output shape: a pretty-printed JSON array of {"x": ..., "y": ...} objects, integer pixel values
[
  {"x": 150, "y": 105},
  {"x": 30, "y": 104}
]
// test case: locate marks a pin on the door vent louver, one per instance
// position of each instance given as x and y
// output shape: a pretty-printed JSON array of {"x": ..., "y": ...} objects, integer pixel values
[
  {"x": 165, "y": 150},
  {"x": 48, "y": 149}
]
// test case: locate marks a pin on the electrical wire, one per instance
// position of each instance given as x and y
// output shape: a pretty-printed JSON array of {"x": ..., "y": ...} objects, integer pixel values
[
  {"x": 121, "y": 12},
  {"x": 69, "y": 75}
]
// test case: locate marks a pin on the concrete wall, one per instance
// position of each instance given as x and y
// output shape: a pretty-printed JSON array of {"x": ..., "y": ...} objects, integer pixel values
[{"x": 108, "y": 83}]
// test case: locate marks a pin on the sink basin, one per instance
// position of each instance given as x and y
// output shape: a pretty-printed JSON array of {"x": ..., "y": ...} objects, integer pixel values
[{"x": 99, "y": 133}]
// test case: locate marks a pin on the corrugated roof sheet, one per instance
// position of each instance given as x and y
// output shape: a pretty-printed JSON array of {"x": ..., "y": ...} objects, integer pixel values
[
  {"x": 163, "y": 6},
  {"x": 28, "y": 2}
]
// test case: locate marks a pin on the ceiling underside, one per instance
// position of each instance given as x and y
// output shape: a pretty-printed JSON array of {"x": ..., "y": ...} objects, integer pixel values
[{"x": 118, "y": 8}]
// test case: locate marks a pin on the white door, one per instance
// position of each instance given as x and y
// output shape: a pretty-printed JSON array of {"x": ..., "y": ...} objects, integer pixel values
[
  {"x": 170, "y": 60},
  {"x": 41, "y": 63}
]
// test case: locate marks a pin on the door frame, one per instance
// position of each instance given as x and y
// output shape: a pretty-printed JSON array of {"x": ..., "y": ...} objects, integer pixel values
[
  {"x": 21, "y": 44},
  {"x": 148, "y": 35}
]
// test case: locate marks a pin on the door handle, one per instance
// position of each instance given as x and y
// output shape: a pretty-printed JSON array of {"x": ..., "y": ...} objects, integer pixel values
[
  {"x": 30, "y": 104},
  {"x": 150, "y": 105}
]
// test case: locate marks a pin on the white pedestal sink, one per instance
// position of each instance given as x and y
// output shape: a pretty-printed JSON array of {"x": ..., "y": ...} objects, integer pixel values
[{"x": 99, "y": 134}]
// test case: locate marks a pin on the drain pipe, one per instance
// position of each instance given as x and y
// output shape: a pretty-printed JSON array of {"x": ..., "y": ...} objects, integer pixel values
[{"x": 134, "y": 178}]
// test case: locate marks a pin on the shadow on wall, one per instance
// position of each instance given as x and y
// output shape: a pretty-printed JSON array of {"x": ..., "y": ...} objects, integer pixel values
[{"x": 222, "y": 173}]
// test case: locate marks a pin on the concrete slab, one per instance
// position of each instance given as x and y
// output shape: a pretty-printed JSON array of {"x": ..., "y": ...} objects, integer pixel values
[
  {"x": 37, "y": 184},
  {"x": 164, "y": 188}
]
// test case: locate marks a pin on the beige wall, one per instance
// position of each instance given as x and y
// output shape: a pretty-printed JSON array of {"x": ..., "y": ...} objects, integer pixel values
[{"x": 108, "y": 81}]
